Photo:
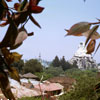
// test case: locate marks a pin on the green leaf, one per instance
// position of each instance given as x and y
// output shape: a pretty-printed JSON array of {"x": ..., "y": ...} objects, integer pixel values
[
  {"x": 10, "y": 57},
  {"x": 78, "y": 28},
  {"x": 4, "y": 24},
  {"x": 91, "y": 46},
  {"x": 92, "y": 31},
  {"x": 22, "y": 5},
  {"x": 22, "y": 35},
  {"x": 15, "y": 46},
  {"x": 34, "y": 21},
  {"x": 95, "y": 36},
  {"x": 14, "y": 74},
  {"x": 5, "y": 86},
  {"x": 3, "y": 10},
  {"x": 16, "y": 56},
  {"x": 10, "y": 36},
  {"x": 97, "y": 49}
]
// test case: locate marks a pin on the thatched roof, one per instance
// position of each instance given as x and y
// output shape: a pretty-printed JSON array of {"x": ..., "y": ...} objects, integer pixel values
[
  {"x": 28, "y": 85},
  {"x": 20, "y": 75},
  {"x": 62, "y": 80},
  {"x": 30, "y": 76},
  {"x": 22, "y": 91},
  {"x": 49, "y": 86}
]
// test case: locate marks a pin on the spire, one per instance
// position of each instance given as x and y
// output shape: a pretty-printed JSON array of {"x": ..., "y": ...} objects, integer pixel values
[{"x": 40, "y": 60}]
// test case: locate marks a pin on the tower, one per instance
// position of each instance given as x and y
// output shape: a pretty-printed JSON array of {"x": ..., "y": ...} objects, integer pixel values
[{"x": 39, "y": 59}]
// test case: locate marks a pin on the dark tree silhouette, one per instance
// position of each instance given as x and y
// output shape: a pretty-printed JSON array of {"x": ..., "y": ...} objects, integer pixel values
[{"x": 56, "y": 62}]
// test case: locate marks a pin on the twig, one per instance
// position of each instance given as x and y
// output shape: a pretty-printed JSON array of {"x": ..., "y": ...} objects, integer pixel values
[
  {"x": 95, "y": 23},
  {"x": 3, "y": 60},
  {"x": 26, "y": 21}
]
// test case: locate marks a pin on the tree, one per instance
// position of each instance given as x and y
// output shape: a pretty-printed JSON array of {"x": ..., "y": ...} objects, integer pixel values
[
  {"x": 19, "y": 65},
  {"x": 64, "y": 64},
  {"x": 54, "y": 71},
  {"x": 84, "y": 89},
  {"x": 89, "y": 30},
  {"x": 74, "y": 65},
  {"x": 16, "y": 17},
  {"x": 50, "y": 72},
  {"x": 32, "y": 65},
  {"x": 56, "y": 62}
]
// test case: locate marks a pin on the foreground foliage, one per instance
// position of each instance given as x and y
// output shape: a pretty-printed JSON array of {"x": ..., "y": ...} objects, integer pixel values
[
  {"x": 32, "y": 65},
  {"x": 65, "y": 65},
  {"x": 30, "y": 98},
  {"x": 16, "y": 17},
  {"x": 50, "y": 72},
  {"x": 84, "y": 89}
]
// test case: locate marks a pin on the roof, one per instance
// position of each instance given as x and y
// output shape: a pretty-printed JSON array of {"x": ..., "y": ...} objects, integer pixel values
[
  {"x": 29, "y": 75},
  {"x": 20, "y": 75},
  {"x": 49, "y": 86},
  {"x": 21, "y": 91},
  {"x": 28, "y": 85},
  {"x": 62, "y": 80}
]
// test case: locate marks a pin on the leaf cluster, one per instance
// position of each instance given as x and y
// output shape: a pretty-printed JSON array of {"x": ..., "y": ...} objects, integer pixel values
[
  {"x": 84, "y": 89},
  {"x": 32, "y": 65},
  {"x": 84, "y": 29},
  {"x": 89, "y": 30},
  {"x": 16, "y": 19},
  {"x": 62, "y": 63}
]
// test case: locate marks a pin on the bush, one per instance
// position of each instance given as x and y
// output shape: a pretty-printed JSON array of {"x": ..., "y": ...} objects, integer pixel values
[
  {"x": 84, "y": 89},
  {"x": 32, "y": 65},
  {"x": 54, "y": 71},
  {"x": 50, "y": 72},
  {"x": 30, "y": 98},
  {"x": 45, "y": 75}
]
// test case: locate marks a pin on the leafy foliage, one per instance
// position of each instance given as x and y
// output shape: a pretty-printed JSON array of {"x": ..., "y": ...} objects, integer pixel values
[
  {"x": 56, "y": 62},
  {"x": 32, "y": 65},
  {"x": 83, "y": 29},
  {"x": 30, "y": 98},
  {"x": 91, "y": 46},
  {"x": 19, "y": 65},
  {"x": 84, "y": 89},
  {"x": 50, "y": 72},
  {"x": 63, "y": 63},
  {"x": 54, "y": 71},
  {"x": 44, "y": 75},
  {"x": 16, "y": 18},
  {"x": 78, "y": 29},
  {"x": 66, "y": 65}
]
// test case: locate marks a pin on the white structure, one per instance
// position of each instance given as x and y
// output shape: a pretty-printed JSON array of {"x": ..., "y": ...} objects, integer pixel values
[
  {"x": 81, "y": 52},
  {"x": 83, "y": 60},
  {"x": 99, "y": 68}
]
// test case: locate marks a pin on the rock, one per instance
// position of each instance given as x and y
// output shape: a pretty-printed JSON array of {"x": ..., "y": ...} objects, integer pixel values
[{"x": 83, "y": 60}]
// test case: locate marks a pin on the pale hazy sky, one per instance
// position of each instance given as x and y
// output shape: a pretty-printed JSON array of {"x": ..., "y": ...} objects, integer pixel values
[{"x": 57, "y": 16}]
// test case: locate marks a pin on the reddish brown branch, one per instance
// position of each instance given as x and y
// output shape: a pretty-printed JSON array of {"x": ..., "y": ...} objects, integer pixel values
[{"x": 95, "y": 23}]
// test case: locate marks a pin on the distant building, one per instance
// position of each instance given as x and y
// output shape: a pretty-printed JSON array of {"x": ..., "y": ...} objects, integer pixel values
[
  {"x": 43, "y": 62},
  {"x": 67, "y": 82},
  {"x": 50, "y": 88},
  {"x": 30, "y": 76},
  {"x": 83, "y": 60}
]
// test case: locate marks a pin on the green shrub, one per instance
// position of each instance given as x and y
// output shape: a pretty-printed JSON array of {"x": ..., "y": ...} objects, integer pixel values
[
  {"x": 84, "y": 89},
  {"x": 30, "y": 98},
  {"x": 45, "y": 75}
]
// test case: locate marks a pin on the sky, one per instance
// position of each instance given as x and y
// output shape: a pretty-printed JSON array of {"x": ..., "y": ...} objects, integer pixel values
[{"x": 50, "y": 40}]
